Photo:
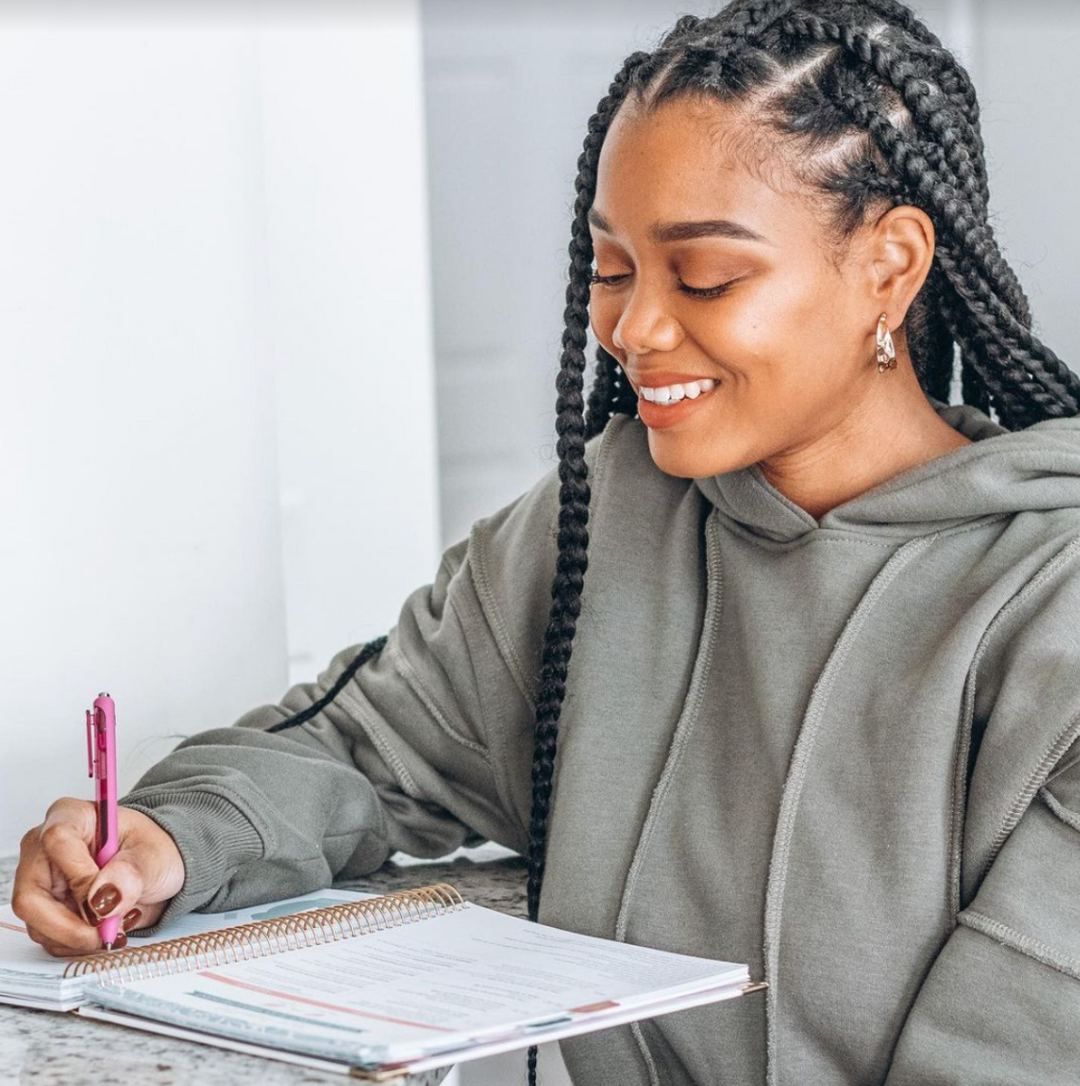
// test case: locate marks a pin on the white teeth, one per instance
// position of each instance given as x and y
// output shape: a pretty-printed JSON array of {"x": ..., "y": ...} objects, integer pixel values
[{"x": 674, "y": 393}]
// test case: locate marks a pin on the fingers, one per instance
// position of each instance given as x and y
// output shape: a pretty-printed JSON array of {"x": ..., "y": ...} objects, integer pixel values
[
  {"x": 66, "y": 837},
  {"x": 61, "y": 894},
  {"x": 49, "y": 921}
]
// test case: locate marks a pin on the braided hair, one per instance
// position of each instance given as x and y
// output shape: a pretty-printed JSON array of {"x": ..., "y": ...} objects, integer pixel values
[
  {"x": 878, "y": 113},
  {"x": 867, "y": 108}
]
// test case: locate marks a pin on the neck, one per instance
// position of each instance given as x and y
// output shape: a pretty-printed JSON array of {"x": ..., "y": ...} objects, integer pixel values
[{"x": 889, "y": 430}]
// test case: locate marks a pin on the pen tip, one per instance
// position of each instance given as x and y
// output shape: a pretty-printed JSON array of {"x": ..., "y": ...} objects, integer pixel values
[{"x": 108, "y": 946}]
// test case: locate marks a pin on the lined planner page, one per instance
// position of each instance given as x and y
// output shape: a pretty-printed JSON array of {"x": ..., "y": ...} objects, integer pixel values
[{"x": 398, "y": 994}]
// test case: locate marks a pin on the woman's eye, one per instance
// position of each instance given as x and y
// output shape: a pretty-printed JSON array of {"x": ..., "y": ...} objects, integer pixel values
[
  {"x": 694, "y": 292},
  {"x": 705, "y": 292}
]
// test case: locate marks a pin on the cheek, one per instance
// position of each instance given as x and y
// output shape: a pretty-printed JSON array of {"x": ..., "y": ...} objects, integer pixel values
[{"x": 773, "y": 335}]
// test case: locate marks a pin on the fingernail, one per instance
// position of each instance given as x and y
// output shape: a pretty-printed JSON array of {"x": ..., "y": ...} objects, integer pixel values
[
  {"x": 105, "y": 900},
  {"x": 87, "y": 913},
  {"x": 131, "y": 919},
  {"x": 120, "y": 941}
]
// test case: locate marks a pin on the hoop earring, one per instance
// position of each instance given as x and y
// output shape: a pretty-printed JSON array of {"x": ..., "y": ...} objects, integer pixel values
[{"x": 886, "y": 352}]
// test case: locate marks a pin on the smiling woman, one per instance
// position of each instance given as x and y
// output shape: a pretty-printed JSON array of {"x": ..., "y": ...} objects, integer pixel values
[
  {"x": 823, "y": 715},
  {"x": 793, "y": 311}
]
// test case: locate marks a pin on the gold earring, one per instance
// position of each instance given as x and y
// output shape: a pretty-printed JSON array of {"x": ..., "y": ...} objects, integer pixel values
[{"x": 886, "y": 352}]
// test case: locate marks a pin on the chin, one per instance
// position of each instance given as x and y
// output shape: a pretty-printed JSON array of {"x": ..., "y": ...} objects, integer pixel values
[{"x": 680, "y": 455}]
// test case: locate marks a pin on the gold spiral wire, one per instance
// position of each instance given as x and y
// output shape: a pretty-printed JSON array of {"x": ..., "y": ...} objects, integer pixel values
[{"x": 264, "y": 937}]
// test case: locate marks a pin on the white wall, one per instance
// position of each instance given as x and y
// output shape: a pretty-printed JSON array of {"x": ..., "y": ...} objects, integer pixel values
[
  {"x": 351, "y": 324},
  {"x": 213, "y": 237}
]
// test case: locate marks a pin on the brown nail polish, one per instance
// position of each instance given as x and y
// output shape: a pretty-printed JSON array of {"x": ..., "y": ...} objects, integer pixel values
[
  {"x": 105, "y": 900},
  {"x": 120, "y": 941},
  {"x": 131, "y": 919}
]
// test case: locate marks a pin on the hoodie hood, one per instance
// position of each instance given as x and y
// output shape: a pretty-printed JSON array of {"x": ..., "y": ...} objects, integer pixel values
[{"x": 1037, "y": 468}]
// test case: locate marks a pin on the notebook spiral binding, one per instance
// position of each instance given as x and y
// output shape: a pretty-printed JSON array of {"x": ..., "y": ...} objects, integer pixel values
[{"x": 265, "y": 937}]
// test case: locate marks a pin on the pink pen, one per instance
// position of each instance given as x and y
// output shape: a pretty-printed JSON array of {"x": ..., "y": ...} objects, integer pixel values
[{"x": 101, "y": 758}]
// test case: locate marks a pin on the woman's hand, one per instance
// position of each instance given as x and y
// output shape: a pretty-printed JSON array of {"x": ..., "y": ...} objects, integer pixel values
[{"x": 60, "y": 893}]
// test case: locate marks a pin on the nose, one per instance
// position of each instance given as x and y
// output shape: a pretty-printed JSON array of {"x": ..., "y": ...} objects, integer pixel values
[{"x": 645, "y": 324}]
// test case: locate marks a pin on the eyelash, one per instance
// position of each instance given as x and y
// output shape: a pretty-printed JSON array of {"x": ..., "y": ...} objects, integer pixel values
[{"x": 694, "y": 292}]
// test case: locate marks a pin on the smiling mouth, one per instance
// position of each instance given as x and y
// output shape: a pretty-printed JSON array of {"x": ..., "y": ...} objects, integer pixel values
[{"x": 676, "y": 392}]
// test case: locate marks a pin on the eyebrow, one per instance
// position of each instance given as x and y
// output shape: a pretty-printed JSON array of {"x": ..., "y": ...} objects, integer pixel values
[{"x": 687, "y": 231}]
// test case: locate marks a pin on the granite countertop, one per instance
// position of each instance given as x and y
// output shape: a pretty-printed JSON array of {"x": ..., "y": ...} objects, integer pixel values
[{"x": 54, "y": 1049}]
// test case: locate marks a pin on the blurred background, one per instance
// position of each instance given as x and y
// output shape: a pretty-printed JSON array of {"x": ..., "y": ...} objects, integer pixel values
[{"x": 281, "y": 293}]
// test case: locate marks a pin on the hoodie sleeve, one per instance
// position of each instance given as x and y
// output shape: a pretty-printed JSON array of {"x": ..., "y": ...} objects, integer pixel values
[
  {"x": 1001, "y": 1002},
  {"x": 428, "y": 747}
]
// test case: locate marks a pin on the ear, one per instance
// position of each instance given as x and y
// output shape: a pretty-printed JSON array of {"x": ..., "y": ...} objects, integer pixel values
[{"x": 901, "y": 253}]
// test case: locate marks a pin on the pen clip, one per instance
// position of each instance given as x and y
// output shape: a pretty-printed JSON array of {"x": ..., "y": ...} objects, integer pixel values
[{"x": 89, "y": 743}]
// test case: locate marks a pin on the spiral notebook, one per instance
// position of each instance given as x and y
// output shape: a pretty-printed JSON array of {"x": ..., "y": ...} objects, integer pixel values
[
  {"x": 31, "y": 977},
  {"x": 394, "y": 984}
]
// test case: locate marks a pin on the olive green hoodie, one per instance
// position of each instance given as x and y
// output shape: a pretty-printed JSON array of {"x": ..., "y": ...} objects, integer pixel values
[{"x": 842, "y": 750}]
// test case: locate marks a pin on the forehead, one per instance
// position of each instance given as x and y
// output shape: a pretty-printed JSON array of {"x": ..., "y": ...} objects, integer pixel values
[{"x": 695, "y": 159}]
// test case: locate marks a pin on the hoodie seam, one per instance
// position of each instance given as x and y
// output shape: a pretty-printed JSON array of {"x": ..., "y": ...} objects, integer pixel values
[
  {"x": 852, "y": 538},
  {"x": 976, "y": 451},
  {"x": 482, "y": 586},
  {"x": 1016, "y": 940},
  {"x": 684, "y": 728},
  {"x": 963, "y": 746},
  {"x": 371, "y": 723},
  {"x": 410, "y": 676},
  {"x": 1069, "y": 817},
  {"x": 793, "y": 785},
  {"x": 1065, "y": 737},
  {"x": 1062, "y": 741}
]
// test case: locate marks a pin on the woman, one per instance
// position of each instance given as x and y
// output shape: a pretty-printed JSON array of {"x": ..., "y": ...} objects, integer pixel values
[{"x": 823, "y": 709}]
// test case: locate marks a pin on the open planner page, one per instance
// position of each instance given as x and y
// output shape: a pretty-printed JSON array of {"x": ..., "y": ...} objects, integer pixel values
[{"x": 441, "y": 984}]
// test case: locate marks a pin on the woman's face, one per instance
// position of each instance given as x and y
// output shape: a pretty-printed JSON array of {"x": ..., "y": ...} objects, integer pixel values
[{"x": 789, "y": 339}]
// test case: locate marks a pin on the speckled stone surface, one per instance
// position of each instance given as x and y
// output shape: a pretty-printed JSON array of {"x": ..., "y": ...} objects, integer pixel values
[{"x": 47, "y": 1048}]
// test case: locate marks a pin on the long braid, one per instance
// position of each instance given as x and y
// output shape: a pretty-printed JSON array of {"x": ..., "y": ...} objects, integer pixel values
[
  {"x": 367, "y": 652},
  {"x": 573, "y": 493}
]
